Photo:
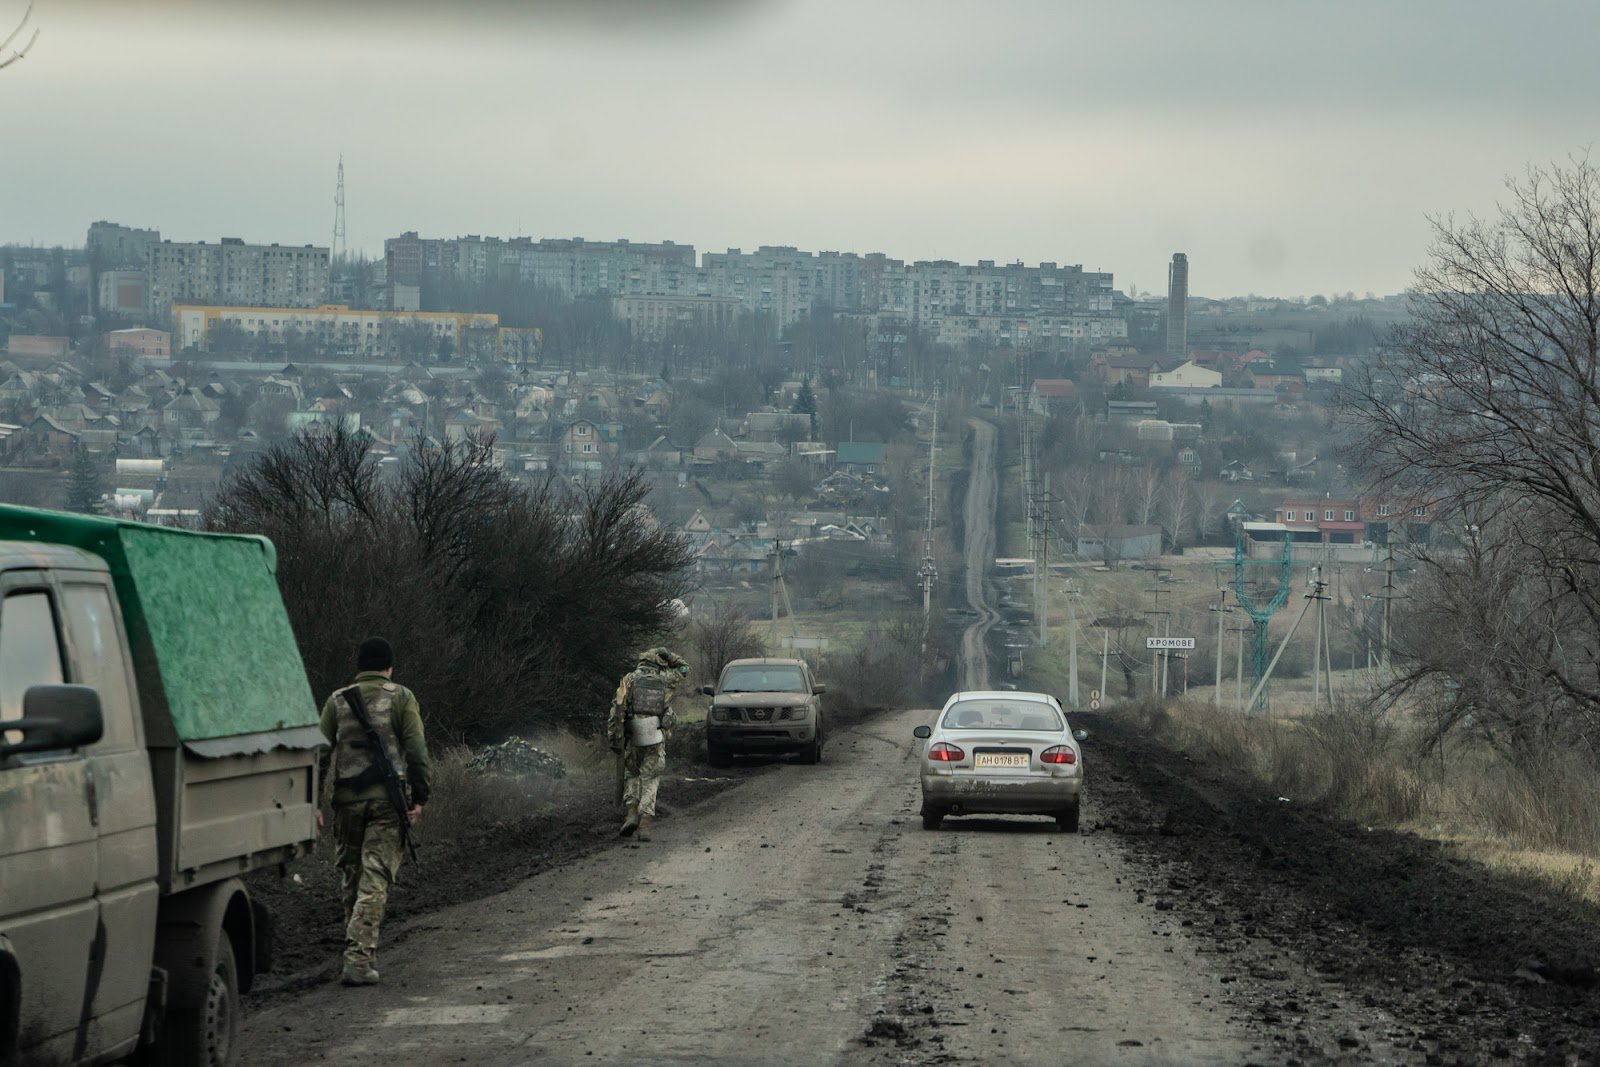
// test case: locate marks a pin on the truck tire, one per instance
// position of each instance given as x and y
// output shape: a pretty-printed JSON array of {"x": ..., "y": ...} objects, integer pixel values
[
  {"x": 812, "y": 753},
  {"x": 205, "y": 1034},
  {"x": 718, "y": 756}
]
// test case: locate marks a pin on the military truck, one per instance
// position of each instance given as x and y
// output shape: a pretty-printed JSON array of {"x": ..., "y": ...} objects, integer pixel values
[{"x": 158, "y": 741}]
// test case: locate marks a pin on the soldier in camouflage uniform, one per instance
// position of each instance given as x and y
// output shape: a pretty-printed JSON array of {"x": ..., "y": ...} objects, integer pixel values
[
  {"x": 646, "y": 690},
  {"x": 366, "y": 825}
]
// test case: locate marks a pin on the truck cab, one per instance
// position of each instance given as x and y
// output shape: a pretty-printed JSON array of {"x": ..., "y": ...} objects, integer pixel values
[
  {"x": 78, "y": 887},
  {"x": 139, "y": 780}
]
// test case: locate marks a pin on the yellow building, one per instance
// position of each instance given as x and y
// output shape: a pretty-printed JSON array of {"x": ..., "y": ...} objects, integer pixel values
[{"x": 357, "y": 333}]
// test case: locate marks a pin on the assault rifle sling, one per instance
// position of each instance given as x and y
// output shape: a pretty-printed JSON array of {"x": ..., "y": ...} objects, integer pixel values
[{"x": 393, "y": 784}]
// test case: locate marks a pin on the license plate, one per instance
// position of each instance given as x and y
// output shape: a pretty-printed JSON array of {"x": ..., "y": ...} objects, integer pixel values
[{"x": 1000, "y": 759}]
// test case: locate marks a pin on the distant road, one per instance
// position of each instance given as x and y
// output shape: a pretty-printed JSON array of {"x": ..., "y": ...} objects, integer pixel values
[{"x": 982, "y": 494}]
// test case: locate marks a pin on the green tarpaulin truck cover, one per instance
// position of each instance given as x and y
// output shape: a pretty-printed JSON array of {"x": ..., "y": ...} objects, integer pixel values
[{"x": 212, "y": 645}]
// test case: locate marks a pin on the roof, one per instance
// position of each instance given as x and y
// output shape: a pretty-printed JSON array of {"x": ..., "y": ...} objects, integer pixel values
[
  {"x": 197, "y": 607},
  {"x": 1054, "y": 387},
  {"x": 862, "y": 451}
]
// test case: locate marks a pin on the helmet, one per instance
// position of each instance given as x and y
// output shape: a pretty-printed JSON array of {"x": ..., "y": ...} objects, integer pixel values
[{"x": 656, "y": 657}]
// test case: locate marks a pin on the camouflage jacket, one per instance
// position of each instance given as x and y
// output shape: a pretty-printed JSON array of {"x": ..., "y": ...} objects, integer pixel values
[
  {"x": 405, "y": 725},
  {"x": 617, "y": 717}
]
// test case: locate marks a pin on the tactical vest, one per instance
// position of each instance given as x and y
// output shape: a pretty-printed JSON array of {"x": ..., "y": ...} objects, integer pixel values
[
  {"x": 649, "y": 693},
  {"x": 352, "y": 749}
]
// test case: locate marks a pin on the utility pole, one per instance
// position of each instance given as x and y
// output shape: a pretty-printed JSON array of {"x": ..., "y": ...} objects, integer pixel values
[
  {"x": 1238, "y": 669},
  {"x": 1222, "y": 610},
  {"x": 929, "y": 572},
  {"x": 1155, "y": 668},
  {"x": 1316, "y": 592},
  {"x": 777, "y": 576},
  {"x": 1105, "y": 654},
  {"x": 1044, "y": 566},
  {"x": 1072, "y": 647},
  {"x": 1320, "y": 642}
]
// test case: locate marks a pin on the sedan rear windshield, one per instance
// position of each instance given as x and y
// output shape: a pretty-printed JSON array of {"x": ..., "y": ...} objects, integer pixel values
[
  {"x": 1001, "y": 715},
  {"x": 764, "y": 680}
]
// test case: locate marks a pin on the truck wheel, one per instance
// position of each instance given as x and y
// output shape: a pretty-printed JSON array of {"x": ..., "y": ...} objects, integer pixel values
[
  {"x": 718, "y": 756},
  {"x": 205, "y": 1034},
  {"x": 812, "y": 753},
  {"x": 1067, "y": 820}
]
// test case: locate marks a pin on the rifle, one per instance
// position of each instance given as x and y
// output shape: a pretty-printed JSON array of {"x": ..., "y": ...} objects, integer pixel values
[{"x": 393, "y": 784}]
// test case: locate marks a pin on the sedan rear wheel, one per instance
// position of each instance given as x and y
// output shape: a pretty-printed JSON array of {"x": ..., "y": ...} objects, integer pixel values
[
  {"x": 1067, "y": 819},
  {"x": 932, "y": 817}
]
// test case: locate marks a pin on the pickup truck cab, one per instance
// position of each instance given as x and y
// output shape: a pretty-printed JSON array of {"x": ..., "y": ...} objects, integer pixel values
[{"x": 157, "y": 741}]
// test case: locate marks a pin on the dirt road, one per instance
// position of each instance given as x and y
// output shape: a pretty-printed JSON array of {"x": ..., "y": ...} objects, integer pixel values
[
  {"x": 978, "y": 517},
  {"x": 803, "y": 917}
]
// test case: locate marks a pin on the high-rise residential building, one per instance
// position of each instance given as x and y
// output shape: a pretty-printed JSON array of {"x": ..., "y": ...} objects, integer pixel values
[
  {"x": 112, "y": 245},
  {"x": 1178, "y": 306},
  {"x": 656, "y": 286},
  {"x": 234, "y": 273}
]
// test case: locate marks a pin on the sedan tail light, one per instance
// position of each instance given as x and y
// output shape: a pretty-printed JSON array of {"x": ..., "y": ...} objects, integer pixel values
[
  {"x": 943, "y": 753},
  {"x": 1059, "y": 754}
]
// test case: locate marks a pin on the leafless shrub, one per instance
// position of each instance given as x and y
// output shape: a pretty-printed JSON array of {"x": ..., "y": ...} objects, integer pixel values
[
  {"x": 715, "y": 641},
  {"x": 511, "y": 608}
]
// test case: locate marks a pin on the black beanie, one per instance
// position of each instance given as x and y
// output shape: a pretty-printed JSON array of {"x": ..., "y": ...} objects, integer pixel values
[{"x": 374, "y": 655}]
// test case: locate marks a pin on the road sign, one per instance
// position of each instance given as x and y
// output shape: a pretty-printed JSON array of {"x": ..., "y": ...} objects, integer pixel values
[
  {"x": 1094, "y": 705},
  {"x": 1094, "y": 694},
  {"x": 1168, "y": 642},
  {"x": 820, "y": 644}
]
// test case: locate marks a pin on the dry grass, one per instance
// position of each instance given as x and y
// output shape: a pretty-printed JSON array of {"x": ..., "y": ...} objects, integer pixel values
[
  {"x": 468, "y": 803},
  {"x": 1368, "y": 766}
]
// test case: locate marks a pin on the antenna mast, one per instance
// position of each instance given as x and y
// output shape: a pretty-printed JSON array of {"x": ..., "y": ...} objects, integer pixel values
[{"x": 337, "y": 250}]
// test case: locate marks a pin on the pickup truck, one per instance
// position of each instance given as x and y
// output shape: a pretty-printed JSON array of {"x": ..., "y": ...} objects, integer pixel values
[
  {"x": 158, "y": 741},
  {"x": 761, "y": 706}
]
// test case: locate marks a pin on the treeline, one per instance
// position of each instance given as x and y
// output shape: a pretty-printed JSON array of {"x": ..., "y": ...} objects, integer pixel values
[{"x": 511, "y": 607}]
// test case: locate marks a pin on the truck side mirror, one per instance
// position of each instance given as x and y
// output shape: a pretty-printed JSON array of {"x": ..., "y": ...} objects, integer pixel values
[
  {"x": 709, "y": 690},
  {"x": 55, "y": 717},
  {"x": 819, "y": 689},
  {"x": 923, "y": 732}
]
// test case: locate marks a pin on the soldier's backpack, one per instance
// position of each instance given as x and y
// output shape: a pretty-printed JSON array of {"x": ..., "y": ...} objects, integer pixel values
[{"x": 649, "y": 696}]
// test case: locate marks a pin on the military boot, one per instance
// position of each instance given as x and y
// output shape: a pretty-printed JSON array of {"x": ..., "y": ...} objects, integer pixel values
[
  {"x": 359, "y": 974},
  {"x": 631, "y": 823},
  {"x": 644, "y": 827}
]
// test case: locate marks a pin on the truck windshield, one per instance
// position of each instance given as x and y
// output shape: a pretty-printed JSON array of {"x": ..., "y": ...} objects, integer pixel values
[{"x": 763, "y": 680}]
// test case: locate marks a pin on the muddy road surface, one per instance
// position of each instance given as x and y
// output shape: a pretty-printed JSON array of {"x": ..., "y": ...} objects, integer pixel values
[
  {"x": 802, "y": 917},
  {"x": 978, "y": 520}
]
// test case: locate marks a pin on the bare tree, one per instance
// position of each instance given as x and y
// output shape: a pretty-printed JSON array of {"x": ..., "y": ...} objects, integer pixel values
[
  {"x": 1147, "y": 492},
  {"x": 1487, "y": 408},
  {"x": 1177, "y": 509},
  {"x": 10, "y": 51}
]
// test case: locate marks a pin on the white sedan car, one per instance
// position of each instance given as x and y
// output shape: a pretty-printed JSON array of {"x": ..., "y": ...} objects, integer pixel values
[{"x": 1001, "y": 753}]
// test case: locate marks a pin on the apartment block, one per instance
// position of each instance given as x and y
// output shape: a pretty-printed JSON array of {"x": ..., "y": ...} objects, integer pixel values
[{"x": 236, "y": 274}]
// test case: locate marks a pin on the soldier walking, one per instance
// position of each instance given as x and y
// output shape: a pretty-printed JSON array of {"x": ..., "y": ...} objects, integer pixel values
[
  {"x": 380, "y": 776},
  {"x": 637, "y": 727}
]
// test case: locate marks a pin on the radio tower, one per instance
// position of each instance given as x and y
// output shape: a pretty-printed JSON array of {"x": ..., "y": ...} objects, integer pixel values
[{"x": 336, "y": 250}]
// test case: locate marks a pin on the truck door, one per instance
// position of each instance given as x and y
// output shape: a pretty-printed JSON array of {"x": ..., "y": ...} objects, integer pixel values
[
  {"x": 49, "y": 849},
  {"x": 119, "y": 772}
]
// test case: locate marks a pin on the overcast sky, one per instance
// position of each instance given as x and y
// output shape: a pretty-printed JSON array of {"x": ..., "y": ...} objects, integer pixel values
[{"x": 1289, "y": 148}]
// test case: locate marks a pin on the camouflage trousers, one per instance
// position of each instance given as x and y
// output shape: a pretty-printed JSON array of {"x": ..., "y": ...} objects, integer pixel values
[
  {"x": 367, "y": 849},
  {"x": 642, "y": 769}
]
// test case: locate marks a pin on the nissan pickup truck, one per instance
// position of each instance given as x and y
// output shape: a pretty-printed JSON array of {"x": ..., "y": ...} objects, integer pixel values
[
  {"x": 761, "y": 706},
  {"x": 158, "y": 741}
]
